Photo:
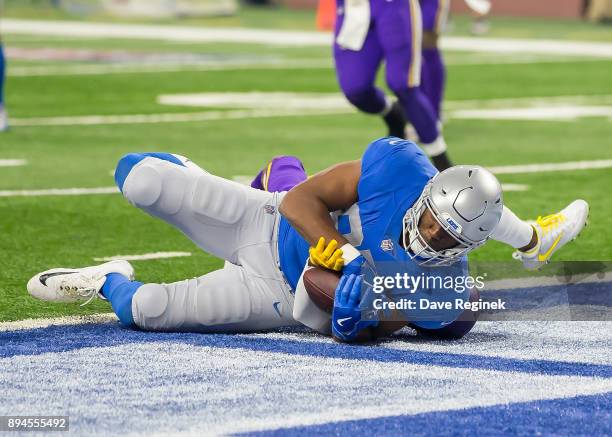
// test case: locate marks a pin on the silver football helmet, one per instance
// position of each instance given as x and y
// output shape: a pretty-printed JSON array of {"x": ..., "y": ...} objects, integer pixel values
[{"x": 466, "y": 200}]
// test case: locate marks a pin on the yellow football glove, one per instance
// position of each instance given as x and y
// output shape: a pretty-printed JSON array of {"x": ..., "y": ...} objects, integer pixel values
[{"x": 329, "y": 257}]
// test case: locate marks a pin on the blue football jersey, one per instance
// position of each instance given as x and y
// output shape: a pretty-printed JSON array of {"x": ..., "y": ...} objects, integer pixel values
[{"x": 394, "y": 173}]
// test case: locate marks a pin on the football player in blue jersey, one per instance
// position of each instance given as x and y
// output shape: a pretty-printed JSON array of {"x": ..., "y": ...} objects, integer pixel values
[{"x": 390, "y": 207}]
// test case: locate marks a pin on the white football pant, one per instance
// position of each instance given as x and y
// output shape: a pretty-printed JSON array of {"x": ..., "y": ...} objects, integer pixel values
[{"x": 228, "y": 220}]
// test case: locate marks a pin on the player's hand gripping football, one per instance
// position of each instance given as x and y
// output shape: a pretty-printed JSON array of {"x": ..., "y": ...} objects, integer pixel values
[
  {"x": 329, "y": 257},
  {"x": 346, "y": 317}
]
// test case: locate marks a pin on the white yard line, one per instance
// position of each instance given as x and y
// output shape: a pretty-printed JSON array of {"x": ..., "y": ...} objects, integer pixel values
[
  {"x": 145, "y": 256},
  {"x": 67, "y": 320},
  {"x": 86, "y": 70},
  {"x": 547, "y": 113},
  {"x": 12, "y": 162},
  {"x": 177, "y": 67},
  {"x": 58, "y": 192},
  {"x": 287, "y": 38},
  {"x": 557, "y": 166},
  {"x": 95, "y": 120},
  {"x": 285, "y": 104},
  {"x": 515, "y": 187}
]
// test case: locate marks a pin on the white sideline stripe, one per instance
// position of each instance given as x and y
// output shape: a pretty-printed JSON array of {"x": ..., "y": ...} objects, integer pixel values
[
  {"x": 515, "y": 187},
  {"x": 545, "y": 281},
  {"x": 287, "y": 38},
  {"x": 59, "y": 192},
  {"x": 95, "y": 120},
  {"x": 12, "y": 162},
  {"x": 558, "y": 166},
  {"x": 144, "y": 256},
  {"x": 66, "y": 320}
]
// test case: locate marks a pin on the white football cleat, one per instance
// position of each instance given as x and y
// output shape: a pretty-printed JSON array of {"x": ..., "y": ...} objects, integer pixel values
[
  {"x": 554, "y": 231},
  {"x": 3, "y": 119},
  {"x": 72, "y": 285}
]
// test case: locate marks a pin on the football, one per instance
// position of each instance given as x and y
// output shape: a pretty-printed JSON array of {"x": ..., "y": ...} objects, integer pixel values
[{"x": 321, "y": 285}]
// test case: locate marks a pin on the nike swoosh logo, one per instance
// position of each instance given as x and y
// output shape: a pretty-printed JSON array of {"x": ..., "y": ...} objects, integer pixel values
[
  {"x": 341, "y": 321},
  {"x": 544, "y": 256},
  {"x": 276, "y": 306},
  {"x": 43, "y": 278}
]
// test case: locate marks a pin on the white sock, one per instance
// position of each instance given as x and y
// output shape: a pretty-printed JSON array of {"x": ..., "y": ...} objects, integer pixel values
[
  {"x": 437, "y": 147},
  {"x": 388, "y": 104},
  {"x": 512, "y": 230}
]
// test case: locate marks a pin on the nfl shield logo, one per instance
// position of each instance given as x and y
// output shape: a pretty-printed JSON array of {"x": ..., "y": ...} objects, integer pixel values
[
  {"x": 386, "y": 245},
  {"x": 269, "y": 209}
]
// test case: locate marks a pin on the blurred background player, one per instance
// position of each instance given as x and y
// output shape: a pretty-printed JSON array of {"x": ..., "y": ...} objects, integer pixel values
[
  {"x": 481, "y": 9},
  {"x": 368, "y": 32},
  {"x": 3, "y": 116},
  {"x": 433, "y": 70}
]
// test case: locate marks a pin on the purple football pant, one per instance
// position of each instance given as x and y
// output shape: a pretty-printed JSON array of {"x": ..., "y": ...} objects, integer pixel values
[
  {"x": 281, "y": 174},
  {"x": 433, "y": 71},
  {"x": 395, "y": 37}
]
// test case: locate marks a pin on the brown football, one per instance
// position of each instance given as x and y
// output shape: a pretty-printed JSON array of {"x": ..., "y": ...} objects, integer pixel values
[{"x": 321, "y": 285}]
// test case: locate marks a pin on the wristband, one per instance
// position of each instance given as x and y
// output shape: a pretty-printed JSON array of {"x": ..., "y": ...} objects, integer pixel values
[{"x": 349, "y": 253}]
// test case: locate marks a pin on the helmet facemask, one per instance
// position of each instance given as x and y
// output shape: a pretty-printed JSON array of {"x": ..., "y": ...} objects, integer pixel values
[{"x": 417, "y": 247}]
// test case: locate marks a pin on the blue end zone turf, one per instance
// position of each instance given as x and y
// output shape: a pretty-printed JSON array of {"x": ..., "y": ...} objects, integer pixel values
[
  {"x": 582, "y": 415},
  {"x": 66, "y": 338}
]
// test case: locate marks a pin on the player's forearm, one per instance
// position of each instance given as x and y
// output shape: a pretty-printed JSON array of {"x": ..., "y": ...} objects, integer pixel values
[{"x": 310, "y": 217}]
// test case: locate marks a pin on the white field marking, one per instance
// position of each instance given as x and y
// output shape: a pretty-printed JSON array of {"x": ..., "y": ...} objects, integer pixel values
[
  {"x": 545, "y": 281},
  {"x": 95, "y": 120},
  {"x": 551, "y": 113},
  {"x": 144, "y": 256},
  {"x": 298, "y": 64},
  {"x": 59, "y": 192},
  {"x": 166, "y": 33},
  {"x": 86, "y": 70},
  {"x": 67, "y": 320},
  {"x": 291, "y": 104},
  {"x": 522, "y": 102},
  {"x": 259, "y": 100},
  {"x": 286, "y": 38},
  {"x": 12, "y": 162},
  {"x": 557, "y": 166},
  {"x": 515, "y": 187}
]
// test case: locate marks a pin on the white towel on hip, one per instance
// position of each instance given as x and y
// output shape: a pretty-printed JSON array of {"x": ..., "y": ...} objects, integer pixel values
[{"x": 356, "y": 24}]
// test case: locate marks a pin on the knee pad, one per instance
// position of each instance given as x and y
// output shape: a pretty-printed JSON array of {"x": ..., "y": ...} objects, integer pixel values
[
  {"x": 127, "y": 163},
  {"x": 212, "y": 200},
  {"x": 222, "y": 303},
  {"x": 156, "y": 182},
  {"x": 150, "y": 302}
]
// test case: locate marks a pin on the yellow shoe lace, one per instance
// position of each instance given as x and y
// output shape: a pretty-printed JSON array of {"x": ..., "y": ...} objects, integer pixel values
[{"x": 550, "y": 222}]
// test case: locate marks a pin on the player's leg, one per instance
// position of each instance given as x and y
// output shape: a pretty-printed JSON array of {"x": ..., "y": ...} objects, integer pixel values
[
  {"x": 537, "y": 241},
  {"x": 228, "y": 300},
  {"x": 3, "y": 116},
  {"x": 399, "y": 30},
  {"x": 433, "y": 70},
  {"x": 356, "y": 73},
  {"x": 218, "y": 215},
  {"x": 281, "y": 174}
]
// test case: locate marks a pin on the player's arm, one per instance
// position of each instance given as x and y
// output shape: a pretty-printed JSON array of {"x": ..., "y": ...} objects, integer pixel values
[{"x": 307, "y": 205}]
